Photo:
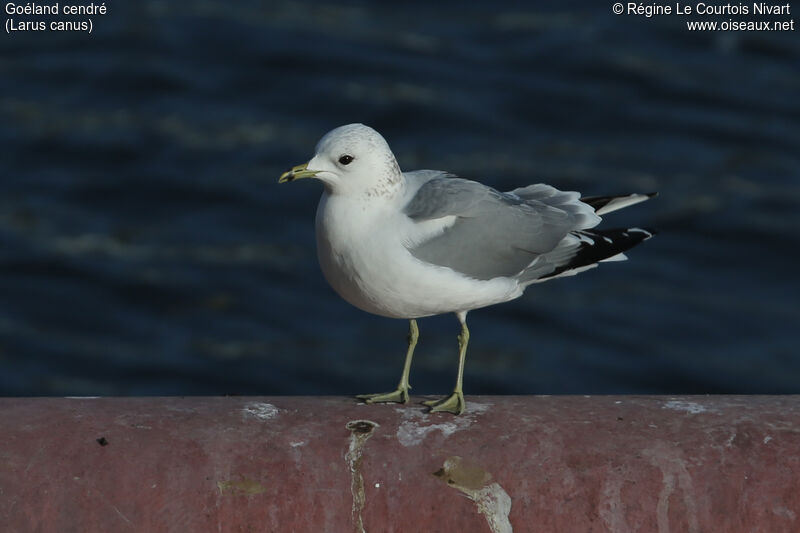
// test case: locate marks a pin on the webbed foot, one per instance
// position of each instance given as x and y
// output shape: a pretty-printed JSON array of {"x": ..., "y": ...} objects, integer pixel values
[
  {"x": 398, "y": 396},
  {"x": 451, "y": 404}
]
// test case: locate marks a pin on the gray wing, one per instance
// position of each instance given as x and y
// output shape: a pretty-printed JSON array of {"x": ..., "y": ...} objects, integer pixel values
[{"x": 495, "y": 234}]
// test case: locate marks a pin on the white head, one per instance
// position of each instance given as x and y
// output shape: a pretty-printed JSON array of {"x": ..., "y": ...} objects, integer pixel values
[{"x": 352, "y": 159}]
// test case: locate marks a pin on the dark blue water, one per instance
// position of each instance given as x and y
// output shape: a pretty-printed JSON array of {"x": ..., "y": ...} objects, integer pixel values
[{"x": 146, "y": 247}]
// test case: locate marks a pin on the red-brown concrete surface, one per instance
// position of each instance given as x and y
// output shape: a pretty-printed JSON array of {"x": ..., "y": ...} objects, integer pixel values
[{"x": 284, "y": 464}]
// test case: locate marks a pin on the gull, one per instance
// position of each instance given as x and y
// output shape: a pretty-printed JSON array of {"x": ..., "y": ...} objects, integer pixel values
[{"x": 416, "y": 244}]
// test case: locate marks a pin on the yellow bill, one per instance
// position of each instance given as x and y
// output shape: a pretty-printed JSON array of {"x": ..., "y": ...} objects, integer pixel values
[{"x": 296, "y": 173}]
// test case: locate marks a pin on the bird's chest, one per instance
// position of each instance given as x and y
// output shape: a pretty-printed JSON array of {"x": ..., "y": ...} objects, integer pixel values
[{"x": 356, "y": 253}]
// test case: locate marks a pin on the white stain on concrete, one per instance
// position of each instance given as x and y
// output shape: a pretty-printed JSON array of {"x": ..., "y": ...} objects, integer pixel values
[
  {"x": 495, "y": 504},
  {"x": 689, "y": 407},
  {"x": 784, "y": 512},
  {"x": 411, "y": 433},
  {"x": 414, "y": 427},
  {"x": 361, "y": 431},
  {"x": 612, "y": 507},
  {"x": 675, "y": 478},
  {"x": 298, "y": 444},
  {"x": 125, "y": 518},
  {"x": 261, "y": 410},
  {"x": 490, "y": 499}
]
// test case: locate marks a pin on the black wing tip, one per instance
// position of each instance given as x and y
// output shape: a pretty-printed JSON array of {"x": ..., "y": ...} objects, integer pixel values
[{"x": 602, "y": 245}]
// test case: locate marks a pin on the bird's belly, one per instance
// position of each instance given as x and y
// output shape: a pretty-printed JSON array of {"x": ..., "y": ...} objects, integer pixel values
[{"x": 377, "y": 274}]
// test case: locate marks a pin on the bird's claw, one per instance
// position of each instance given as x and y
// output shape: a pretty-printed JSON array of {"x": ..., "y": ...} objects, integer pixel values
[
  {"x": 451, "y": 404},
  {"x": 398, "y": 396}
]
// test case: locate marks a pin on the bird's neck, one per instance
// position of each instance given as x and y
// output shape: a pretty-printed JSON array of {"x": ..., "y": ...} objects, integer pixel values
[{"x": 389, "y": 188}]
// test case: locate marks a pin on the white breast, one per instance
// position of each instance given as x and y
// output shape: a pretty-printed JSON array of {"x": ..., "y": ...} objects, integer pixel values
[{"x": 362, "y": 249}]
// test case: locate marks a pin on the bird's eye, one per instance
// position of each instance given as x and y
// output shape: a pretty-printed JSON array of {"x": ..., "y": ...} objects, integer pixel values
[{"x": 346, "y": 159}]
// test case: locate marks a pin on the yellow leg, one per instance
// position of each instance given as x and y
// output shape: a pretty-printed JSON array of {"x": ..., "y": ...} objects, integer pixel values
[
  {"x": 455, "y": 402},
  {"x": 401, "y": 394}
]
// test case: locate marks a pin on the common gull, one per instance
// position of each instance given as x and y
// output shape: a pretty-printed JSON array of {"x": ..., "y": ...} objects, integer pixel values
[{"x": 422, "y": 243}]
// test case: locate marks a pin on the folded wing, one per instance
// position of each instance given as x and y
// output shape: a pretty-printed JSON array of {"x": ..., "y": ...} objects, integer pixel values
[{"x": 495, "y": 234}]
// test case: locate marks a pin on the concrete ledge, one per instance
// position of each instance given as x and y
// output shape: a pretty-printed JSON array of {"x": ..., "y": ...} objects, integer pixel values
[{"x": 283, "y": 464}]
